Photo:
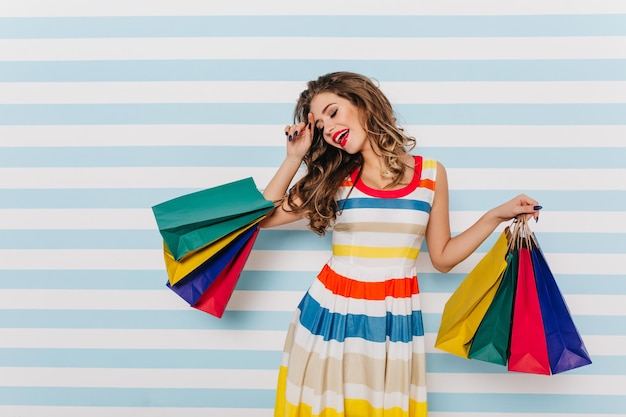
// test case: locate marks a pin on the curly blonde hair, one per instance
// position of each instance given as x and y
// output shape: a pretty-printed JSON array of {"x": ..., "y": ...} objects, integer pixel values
[{"x": 328, "y": 166}]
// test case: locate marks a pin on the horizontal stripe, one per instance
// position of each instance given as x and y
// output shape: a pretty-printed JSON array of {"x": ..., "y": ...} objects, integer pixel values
[
  {"x": 346, "y": 287},
  {"x": 179, "y": 340},
  {"x": 353, "y": 26},
  {"x": 554, "y": 92},
  {"x": 102, "y": 411},
  {"x": 572, "y": 385},
  {"x": 258, "y": 379},
  {"x": 171, "y": 340},
  {"x": 136, "y": 358},
  {"x": 318, "y": 321},
  {"x": 394, "y": 48},
  {"x": 378, "y": 227},
  {"x": 380, "y": 203},
  {"x": 285, "y": 7},
  {"x": 267, "y": 260},
  {"x": 266, "y": 156},
  {"x": 323, "y": 374},
  {"x": 436, "y": 136},
  {"x": 153, "y": 398},
  {"x": 164, "y": 300},
  {"x": 561, "y": 202},
  {"x": 590, "y": 180},
  {"x": 189, "y": 319},
  {"x": 497, "y": 69},
  {"x": 200, "y": 113},
  {"x": 375, "y": 252},
  {"x": 239, "y": 359},
  {"x": 572, "y": 405},
  {"x": 271, "y": 280}
]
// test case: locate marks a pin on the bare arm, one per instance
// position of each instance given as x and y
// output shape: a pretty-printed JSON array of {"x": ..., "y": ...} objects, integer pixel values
[
  {"x": 445, "y": 251},
  {"x": 298, "y": 139}
]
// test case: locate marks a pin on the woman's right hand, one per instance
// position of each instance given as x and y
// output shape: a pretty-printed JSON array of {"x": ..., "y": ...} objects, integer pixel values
[{"x": 299, "y": 137}]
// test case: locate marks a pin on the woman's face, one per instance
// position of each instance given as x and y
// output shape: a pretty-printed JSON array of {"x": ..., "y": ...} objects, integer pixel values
[{"x": 339, "y": 121}]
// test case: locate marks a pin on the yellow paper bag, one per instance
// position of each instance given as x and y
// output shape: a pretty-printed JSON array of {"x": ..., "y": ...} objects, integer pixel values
[
  {"x": 177, "y": 270},
  {"x": 467, "y": 306}
]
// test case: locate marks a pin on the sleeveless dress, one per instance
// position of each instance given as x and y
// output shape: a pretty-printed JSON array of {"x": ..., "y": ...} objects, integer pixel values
[{"x": 355, "y": 346}]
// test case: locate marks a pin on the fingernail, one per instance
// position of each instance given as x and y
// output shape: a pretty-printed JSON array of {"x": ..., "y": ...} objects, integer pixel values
[
  {"x": 295, "y": 133},
  {"x": 290, "y": 138},
  {"x": 537, "y": 219},
  {"x": 537, "y": 208},
  {"x": 286, "y": 133}
]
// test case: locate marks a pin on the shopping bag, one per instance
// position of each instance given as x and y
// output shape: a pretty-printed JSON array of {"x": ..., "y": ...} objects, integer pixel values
[
  {"x": 177, "y": 270},
  {"x": 216, "y": 297},
  {"x": 566, "y": 349},
  {"x": 192, "y": 221},
  {"x": 194, "y": 285},
  {"x": 529, "y": 351},
  {"x": 491, "y": 341},
  {"x": 468, "y": 304}
]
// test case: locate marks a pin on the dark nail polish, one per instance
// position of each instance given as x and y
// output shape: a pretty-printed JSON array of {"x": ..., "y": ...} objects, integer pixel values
[
  {"x": 286, "y": 133},
  {"x": 290, "y": 138},
  {"x": 537, "y": 208},
  {"x": 295, "y": 133}
]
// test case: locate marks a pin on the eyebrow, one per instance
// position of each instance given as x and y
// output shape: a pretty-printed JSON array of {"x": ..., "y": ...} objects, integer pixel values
[{"x": 324, "y": 111}]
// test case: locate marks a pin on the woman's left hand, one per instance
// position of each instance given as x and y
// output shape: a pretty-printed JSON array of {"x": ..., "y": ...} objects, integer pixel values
[{"x": 522, "y": 204}]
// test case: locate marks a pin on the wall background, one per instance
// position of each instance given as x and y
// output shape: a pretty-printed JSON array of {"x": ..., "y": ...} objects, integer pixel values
[{"x": 109, "y": 107}]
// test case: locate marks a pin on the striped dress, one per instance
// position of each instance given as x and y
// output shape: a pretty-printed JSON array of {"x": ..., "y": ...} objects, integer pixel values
[{"x": 355, "y": 346}]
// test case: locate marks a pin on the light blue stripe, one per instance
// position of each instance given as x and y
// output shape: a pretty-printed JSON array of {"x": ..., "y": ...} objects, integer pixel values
[
  {"x": 268, "y": 281},
  {"x": 166, "y": 156},
  {"x": 586, "y": 325},
  {"x": 527, "y": 403},
  {"x": 245, "y": 113},
  {"x": 300, "y": 26},
  {"x": 303, "y": 70},
  {"x": 137, "y": 397},
  {"x": 141, "y": 358},
  {"x": 240, "y": 359},
  {"x": 142, "y": 319},
  {"x": 272, "y": 156},
  {"x": 283, "y": 240},
  {"x": 595, "y": 201},
  {"x": 146, "y": 239},
  {"x": 83, "y": 280}
]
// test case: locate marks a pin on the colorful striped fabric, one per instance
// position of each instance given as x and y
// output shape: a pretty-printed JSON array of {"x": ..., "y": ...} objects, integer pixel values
[{"x": 355, "y": 346}]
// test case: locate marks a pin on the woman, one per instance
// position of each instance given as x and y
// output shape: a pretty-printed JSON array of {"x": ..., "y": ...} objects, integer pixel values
[{"x": 355, "y": 346}]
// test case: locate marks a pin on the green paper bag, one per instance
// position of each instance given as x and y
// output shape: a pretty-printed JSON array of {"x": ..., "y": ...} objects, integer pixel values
[
  {"x": 192, "y": 221},
  {"x": 491, "y": 341}
]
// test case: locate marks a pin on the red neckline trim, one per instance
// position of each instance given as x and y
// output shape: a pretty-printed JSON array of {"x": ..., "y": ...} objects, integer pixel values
[{"x": 400, "y": 192}]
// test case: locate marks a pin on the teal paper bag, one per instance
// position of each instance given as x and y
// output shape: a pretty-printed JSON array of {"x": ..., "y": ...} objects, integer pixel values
[{"x": 192, "y": 221}]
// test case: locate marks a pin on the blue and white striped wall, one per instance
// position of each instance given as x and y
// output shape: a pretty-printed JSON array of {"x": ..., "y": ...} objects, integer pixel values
[{"x": 109, "y": 107}]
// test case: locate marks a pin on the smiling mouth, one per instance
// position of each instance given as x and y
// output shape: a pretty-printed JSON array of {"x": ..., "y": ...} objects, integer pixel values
[{"x": 341, "y": 137}]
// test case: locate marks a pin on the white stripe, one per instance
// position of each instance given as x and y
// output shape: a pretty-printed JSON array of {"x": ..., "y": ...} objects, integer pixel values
[
  {"x": 605, "y": 47},
  {"x": 568, "y": 384},
  {"x": 288, "y": 92},
  {"x": 470, "y": 136},
  {"x": 223, "y": 339},
  {"x": 268, "y": 260},
  {"x": 266, "y": 340},
  {"x": 519, "y": 383},
  {"x": 139, "y": 378},
  {"x": 597, "y": 345},
  {"x": 35, "y": 299},
  {"x": 204, "y": 177},
  {"x": 31, "y": 8},
  {"x": 147, "y": 411}
]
